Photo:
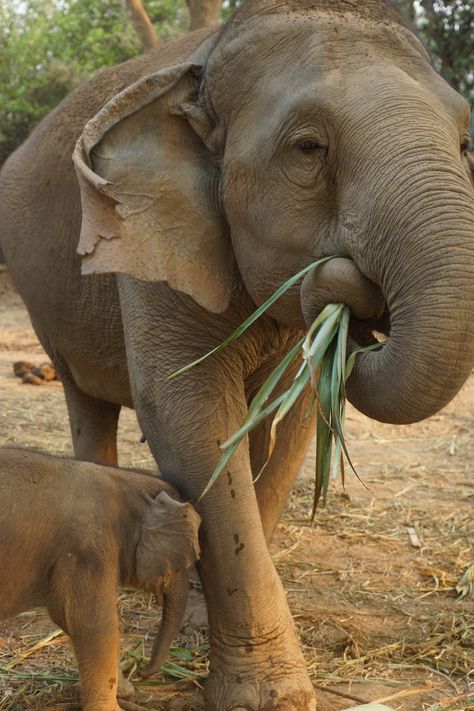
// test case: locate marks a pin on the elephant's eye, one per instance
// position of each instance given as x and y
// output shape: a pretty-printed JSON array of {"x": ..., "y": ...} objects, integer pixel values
[
  {"x": 464, "y": 146},
  {"x": 308, "y": 146}
]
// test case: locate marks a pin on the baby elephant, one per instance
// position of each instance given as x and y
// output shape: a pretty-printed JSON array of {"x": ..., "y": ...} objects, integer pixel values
[{"x": 70, "y": 533}]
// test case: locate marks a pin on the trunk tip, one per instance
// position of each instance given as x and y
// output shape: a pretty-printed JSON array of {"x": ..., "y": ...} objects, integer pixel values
[{"x": 147, "y": 671}]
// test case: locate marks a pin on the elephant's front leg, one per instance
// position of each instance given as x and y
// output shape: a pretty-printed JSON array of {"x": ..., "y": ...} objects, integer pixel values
[
  {"x": 256, "y": 661},
  {"x": 294, "y": 435}
]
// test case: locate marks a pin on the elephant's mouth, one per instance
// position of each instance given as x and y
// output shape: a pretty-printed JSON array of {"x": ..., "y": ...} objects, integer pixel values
[{"x": 367, "y": 332}]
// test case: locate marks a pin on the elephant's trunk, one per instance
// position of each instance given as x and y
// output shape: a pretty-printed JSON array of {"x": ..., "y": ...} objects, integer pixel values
[
  {"x": 175, "y": 596},
  {"x": 430, "y": 351},
  {"x": 424, "y": 263},
  {"x": 415, "y": 241}
]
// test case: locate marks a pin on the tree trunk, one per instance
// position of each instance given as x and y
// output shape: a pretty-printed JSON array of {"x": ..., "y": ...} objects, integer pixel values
[
  {"x": 203, "y": 13},
  {"x": 141, "y": 22}
]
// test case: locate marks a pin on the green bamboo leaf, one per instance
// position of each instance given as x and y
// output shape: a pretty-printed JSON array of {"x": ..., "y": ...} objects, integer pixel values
[
  {"x": 182, "y": 653},
  {"x": 177, "y": 671},
  {"x": 252, "y": 420},
  {"x": 271, "y": 382},
  {"x": 352, "y": 358},
  {"x": 337, "y": 459},
  {"x": 338, "y": 384},
  {"x": 253, "y": 317},
  {"x": 327, "y": 468},
  {"x": 317, "y": 354},
  {"x": 341, "y": 347},
  {"x": 324, "y": 431},
  {"x": 328, "y": 310},
  {"x": 233, "y": 443},
  {"x": 322, "y": 437},
  {"x": 263, "y": 394},
  {"x": 339, "y": 430},
  {"x": 325, "y": 334},
  {"x": 324, "y": 362},
  {"x": 224, "y": 460},
  {"x": 311, "y": 407},
  {"x": 291, "y": 396}
]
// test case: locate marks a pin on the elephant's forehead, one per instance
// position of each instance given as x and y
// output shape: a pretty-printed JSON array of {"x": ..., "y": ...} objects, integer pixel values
[
  {"x": 312, "y": 75},
  {"x": 299, "y": 48}
]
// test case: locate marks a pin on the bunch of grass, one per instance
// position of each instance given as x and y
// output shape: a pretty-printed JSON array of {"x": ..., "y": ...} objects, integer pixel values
[{"x": 323, "y": 365}]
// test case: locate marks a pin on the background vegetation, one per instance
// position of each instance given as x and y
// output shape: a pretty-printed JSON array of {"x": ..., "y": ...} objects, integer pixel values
[{"x": 47, "y": 47}]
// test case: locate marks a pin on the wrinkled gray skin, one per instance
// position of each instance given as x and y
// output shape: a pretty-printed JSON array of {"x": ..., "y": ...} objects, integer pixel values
[
  {"x": 311, "y": 128},
  {"x": 70, "y": 532}
]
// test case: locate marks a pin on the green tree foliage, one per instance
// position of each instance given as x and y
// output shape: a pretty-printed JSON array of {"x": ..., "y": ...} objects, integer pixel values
[
  {"x": 448, "y": 31},
  {"x": 47, "y": 47}
]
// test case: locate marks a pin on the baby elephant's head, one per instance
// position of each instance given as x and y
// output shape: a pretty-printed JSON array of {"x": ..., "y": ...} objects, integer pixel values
[
  {"x": 168, "y": 540},
  {"x": 167, "y": 548}
]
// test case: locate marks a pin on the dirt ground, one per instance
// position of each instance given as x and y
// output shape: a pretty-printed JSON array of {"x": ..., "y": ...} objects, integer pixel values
[{"x": 378, "y": 618}]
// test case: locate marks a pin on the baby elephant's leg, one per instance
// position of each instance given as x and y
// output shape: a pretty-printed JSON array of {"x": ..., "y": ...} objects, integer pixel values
[
  {"x": 97, "y": 658},
  {"x": 83, "y": 601}
]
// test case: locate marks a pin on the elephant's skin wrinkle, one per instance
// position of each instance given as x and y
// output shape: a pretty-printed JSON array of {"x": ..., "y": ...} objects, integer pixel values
[
  {"x": 222, "y": 164},
  {"x": 104, "y": 527}
]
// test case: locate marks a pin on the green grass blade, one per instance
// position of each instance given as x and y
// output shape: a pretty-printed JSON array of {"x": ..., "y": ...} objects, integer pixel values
[{"x": 253, "y": 317}]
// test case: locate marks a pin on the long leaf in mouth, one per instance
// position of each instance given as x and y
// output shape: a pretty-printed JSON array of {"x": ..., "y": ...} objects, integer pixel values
[
  {"x": 323, "y": 434},
  {"x": 253, "y": 317},
  {"x": 324, "y": 364},
  {"x": 267, "y": 388}
]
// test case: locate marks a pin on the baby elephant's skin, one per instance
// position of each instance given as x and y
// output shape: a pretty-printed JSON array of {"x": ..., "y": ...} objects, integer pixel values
[{"x": 70, "y": 533}]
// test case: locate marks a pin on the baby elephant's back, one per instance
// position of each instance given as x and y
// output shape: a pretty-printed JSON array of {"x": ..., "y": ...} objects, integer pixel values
[
  {"x": 31, "y": 483},
  {"x": 44, "y": 502}
]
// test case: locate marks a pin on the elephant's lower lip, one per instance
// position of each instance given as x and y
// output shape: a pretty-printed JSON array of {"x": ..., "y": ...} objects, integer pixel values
[{"x": 369, "y": 331}]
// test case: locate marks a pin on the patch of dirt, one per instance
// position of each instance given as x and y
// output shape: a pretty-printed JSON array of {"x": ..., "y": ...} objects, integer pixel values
[{"x": 378, "y": 618}]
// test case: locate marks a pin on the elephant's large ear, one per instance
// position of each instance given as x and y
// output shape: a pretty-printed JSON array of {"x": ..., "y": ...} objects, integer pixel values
[
  {"x": 168, "y": 539},
  {"x": 148, "y": 189}
]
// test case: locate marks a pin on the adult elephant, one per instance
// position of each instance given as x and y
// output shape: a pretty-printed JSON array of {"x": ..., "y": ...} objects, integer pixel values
[{"x": 210, "y": 171}]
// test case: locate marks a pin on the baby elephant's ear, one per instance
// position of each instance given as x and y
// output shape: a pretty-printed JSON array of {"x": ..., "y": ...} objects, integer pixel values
[
  {"x": 149, "y": 189},
  {"x": 169, "y": 539}
]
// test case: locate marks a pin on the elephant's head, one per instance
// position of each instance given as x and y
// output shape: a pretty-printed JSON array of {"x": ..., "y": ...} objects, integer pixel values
[
  {"x": 167, "y": 547},
  {"x": 301, "y": 129}
]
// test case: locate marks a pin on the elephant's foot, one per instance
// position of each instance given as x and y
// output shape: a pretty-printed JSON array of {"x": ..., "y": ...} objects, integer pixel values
[{"x": 264, "y": 677}]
